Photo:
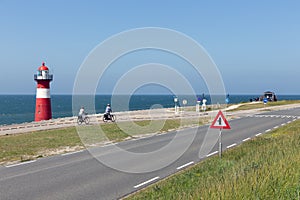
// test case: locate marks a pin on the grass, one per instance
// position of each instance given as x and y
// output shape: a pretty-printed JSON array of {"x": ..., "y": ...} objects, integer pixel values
[
  {"x": 267, "y": 167},
  {"x": 248, "y": 106},
  {"x": 28, "y": 146}
]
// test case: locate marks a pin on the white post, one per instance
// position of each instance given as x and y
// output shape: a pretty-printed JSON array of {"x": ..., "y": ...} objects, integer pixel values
[
  {"x": 198, "y": 106},
  {"x": 203, "y": 107},
  {"x": 176, "y": 107},
  {"x": 184, "y": 102}
]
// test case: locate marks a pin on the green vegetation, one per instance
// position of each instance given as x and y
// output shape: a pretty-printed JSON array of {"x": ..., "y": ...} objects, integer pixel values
[
  {"x": 254, "y": 105},
  {"x": 27, "y": 146},
  {"x": 267, "y": 167}
]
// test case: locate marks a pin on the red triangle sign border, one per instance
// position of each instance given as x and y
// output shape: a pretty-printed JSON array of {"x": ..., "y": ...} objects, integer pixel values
[{"x": 220, "y": 114}]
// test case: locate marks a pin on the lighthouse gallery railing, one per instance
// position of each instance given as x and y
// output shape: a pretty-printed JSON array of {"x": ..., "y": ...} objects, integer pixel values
[{"x": 43, "y": 77}]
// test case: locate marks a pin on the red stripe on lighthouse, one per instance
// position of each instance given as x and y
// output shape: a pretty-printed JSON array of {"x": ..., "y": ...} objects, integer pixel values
[{"x": 43, "y": 109}]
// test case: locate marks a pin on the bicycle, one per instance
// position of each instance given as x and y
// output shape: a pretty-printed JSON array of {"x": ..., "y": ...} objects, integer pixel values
[
  {"x": 109, "y": 117},
  {"x": 80, "y": 120}
]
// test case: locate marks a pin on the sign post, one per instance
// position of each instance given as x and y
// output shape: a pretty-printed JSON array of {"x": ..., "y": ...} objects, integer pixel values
[
  {"x": 220, "y": 143},
  {"x": 221, "y": 123}
]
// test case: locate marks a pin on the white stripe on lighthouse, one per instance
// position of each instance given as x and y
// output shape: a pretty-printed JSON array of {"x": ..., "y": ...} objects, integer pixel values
[{"x": 43, "y": 93}]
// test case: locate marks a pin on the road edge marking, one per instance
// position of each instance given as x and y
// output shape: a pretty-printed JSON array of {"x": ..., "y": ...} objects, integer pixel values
[
  {"x": 213, "y": 153},
  {"x": 232, "y": 145},
  {"x": 146, "y": 182},
  {"x": 21, "y": 163},
  {"x": 244, "y": 140},
  {"x": 185, "y": 165},
  {"x": 70, "y": 153}
]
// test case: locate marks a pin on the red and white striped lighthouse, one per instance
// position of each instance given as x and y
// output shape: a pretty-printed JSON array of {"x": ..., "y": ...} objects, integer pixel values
[{"x": 43, "y": 101}]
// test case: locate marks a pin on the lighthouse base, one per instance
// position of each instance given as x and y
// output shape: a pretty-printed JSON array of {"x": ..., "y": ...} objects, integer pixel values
[{"x": 43, "y": 109}]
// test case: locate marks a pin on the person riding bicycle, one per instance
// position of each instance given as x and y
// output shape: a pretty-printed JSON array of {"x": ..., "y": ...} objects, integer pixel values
[
  {"x": 108, "y": 110},
  {"x": 81, "y": 113}
]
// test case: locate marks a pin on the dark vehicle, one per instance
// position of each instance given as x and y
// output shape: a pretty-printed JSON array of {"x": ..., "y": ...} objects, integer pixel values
[
  {"x": 80, "y": 120},
  {"x": 109, "y": 117},
  {"x": 270, "y": 96}
]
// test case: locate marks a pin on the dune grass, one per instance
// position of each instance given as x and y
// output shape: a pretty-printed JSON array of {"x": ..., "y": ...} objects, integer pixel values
[{"x": 267, "y": 167}]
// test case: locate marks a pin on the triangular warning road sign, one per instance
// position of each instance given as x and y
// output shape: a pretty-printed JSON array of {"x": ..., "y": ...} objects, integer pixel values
[{"x": 220, "y": 122}]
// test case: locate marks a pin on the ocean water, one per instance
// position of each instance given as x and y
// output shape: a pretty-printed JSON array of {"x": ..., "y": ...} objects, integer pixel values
[{"x": 15, "y": 109}]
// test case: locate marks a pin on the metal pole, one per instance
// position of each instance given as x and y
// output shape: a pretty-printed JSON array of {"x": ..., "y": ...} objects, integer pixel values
[{"x": 220, "y": 143}]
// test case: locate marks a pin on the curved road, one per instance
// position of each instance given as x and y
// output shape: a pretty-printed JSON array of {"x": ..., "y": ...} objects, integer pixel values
[{"x": 79, "y": 175}]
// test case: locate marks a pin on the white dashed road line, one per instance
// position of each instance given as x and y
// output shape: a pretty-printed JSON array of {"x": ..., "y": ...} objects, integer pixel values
[
  {"x": 268, "y": 130},
  {"x": 258, "y": 134},
  {"x": 146, "y": 182},
  {"x": 22, "y": 163},
  {"x": 244, "y": 140},
  {"x": 213, "y": 153},
  {"x": 232, "y": 145},
  {"x": 185, "y": 165}
]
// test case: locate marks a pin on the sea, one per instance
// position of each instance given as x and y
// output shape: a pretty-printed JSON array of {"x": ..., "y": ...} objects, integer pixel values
[{"x": 16, "y": 109}]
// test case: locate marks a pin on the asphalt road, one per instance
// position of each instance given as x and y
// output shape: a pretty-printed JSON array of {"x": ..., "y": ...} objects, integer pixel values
[{"x": 80, "y": 175}]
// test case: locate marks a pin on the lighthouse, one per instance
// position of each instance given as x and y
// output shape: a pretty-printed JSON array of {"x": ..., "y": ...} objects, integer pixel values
[{"x": 43, "y": 101}]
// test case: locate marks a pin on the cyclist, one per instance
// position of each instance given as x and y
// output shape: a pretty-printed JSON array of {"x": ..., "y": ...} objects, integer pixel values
[
  {"x": 81, "y": 113},
  {"x": 108, "y": 110}
]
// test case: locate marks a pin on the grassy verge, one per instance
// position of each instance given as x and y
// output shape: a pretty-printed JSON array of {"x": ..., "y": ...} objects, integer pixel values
[
  {"x": 267, "y": 167},
  {"x": 27, "y": 146},
  {"x": 22, "y": 147},
  {"x": 249, "y": 106}
]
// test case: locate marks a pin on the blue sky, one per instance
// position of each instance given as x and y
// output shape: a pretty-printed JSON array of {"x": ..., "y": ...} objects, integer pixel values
[{"x": 255, "y": 44}]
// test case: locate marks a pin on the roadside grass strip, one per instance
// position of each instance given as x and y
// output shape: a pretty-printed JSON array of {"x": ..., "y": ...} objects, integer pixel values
[{"x": 265, "y": 167}]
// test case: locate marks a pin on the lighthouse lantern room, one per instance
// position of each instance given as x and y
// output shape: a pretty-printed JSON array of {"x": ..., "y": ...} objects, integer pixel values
[{"x": 43, "y": 100}]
